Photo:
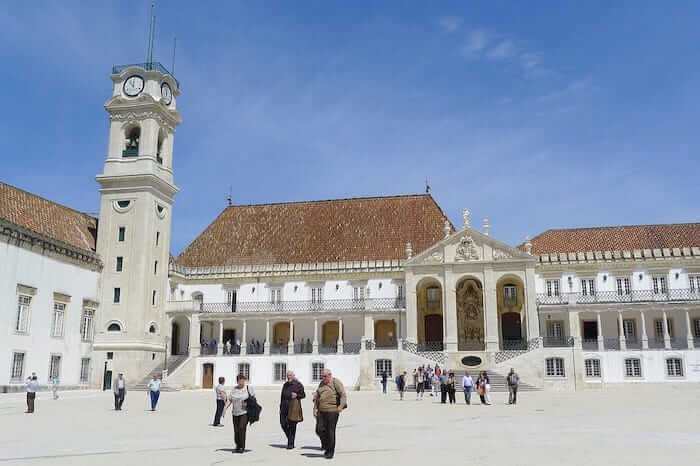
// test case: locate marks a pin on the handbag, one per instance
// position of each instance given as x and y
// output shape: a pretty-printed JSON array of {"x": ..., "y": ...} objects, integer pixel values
[
  {"x": 253, "y": 408},
  {"x": 295, "y": 414}
]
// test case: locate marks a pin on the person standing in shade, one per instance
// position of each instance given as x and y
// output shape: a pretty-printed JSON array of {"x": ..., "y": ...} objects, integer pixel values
[
  {"x": 513, "y": 381},
  {"x": 384, "y": 379},
  {"x": 220, "y": 402},
  {"x": 467, "y": 385},
  {"x": 54, "y": 388},
  {"x": 154, "y": 391},
  {"x": 330, "y": 401},
  {"x": 237, "y": 399},
  {"x": 32, "y": 384},
  {"x": 451, "y": 388},
  {"x": 443, "y": 387},
  {"x": 290, "y": 407},
  {"x": 119, "y": 390}
]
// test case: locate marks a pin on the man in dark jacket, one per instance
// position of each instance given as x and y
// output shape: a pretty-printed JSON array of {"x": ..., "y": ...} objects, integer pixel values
[{"x": 291, "y": 390}]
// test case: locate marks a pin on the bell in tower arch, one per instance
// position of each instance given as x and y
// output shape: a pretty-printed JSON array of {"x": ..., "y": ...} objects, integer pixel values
[{"x": 131, "y": 144}]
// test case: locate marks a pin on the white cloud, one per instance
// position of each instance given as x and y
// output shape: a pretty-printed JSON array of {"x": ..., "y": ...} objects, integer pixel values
[
  {"x": 475, "y": 45},
  {"x": 530, "y": 60},
  {"x": 450, "y": 23},
  {"x": 503, "y": 50}
]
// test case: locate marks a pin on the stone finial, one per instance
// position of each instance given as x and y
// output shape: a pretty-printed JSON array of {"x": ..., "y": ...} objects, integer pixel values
[
  {"x": 447, "y": 228},
  {"x": 486, "y": 226},
  {"x": 409, "y": 251},
  {"x": 465, "y": 216},
  {"x": 528, "y": 245}
]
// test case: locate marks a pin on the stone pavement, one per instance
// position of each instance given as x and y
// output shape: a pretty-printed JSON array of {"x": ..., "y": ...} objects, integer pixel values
[{"x": 633, "y": 425}]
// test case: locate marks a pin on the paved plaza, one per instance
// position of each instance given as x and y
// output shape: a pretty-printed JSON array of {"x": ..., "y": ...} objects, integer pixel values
[{"x": 639, "y": 425}]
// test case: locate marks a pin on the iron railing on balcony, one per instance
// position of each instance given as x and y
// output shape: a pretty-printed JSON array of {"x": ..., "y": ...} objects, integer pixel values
[
  {"x": 612, "y": 343},
  {"x": 471, "y": 345},
  {"x": 230, "y": 350},
  {"x": 615, "y": 297},
  {"x": 328, "y": 349},
  {"x": 351, "y": 347},
  {"x": 328, "y": 305},
  {"x": 148, "y": 66},
  {"x": 279, "y": 349},
  {"x": 511, "y": 344},
  {"x": 557, "y": 342},
  {"x": 208, "y": 350},
  {"x": 430, "y": 346},
  {"x": 385, "y": 345},
  {"x": 303, "y": 348},
  {"x": 590, "y": 344},
  {"x": 633, "y": 343}
]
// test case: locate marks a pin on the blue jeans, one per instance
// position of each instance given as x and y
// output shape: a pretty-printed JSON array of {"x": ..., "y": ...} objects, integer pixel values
[
  {"x": 154, "y": 400},
  {"x": 384, "y": 386},
  {"x": 468, "y": 395}
]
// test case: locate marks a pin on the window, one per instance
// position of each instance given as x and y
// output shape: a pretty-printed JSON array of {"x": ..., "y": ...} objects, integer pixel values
[
  {"x": 123, "y": 204},
  {"x": 114, "y": 327},
  {"x": 592, "y": 367},
  {"x": 659, "y": 328},
  {"x": 117, "y": 295},
  {"x": 153, "y": 298},
  {"x": 659, "y": 285},
  {"x": 316, "y": 295},
  {"x": 552, "y": 287},
  {"x": 157, "y": 237},
  {"x": 59, "y": 312},
  {"x": 316, "y": 369},
  {"x": 280, "y": 374},
  {"x": 588, "y": 287},
  {"x": 433, "y": 295},
  {"x": 17, "y": 369},
  {"x": 110, "y": 355},
  {"x": 628, "y": 327},
  {"x": 86, "y": 324},
  {"x": 696, "y": 328},
  {"x": 131, "y": 148},
  {"x": 358, "y": 293},
  {"x": 155, "y": 268},
  {"x": 84, "y": 370},
  {"x": 22, "y": 323},
  {"x": 554, "y": 367},
  {"x": 623, "y": 286},
  {"x": 231, "y": 298},
  {"x": 510, "y": 295},
  {"x": 554, "y": 329},
  {"x": 152, "y": 329},
  {"x": 381, "y": 365},
  {"x": 400, "y": 292},
  {"x": 54, "y": 366},
  {"x": 275, "y": 295},
  {"x": 674, "y": 367},
  {"x": 633, "y": 367},
  {"x": 122, "y": 233},
  {"x": 694, "y": 283},
  {"x": 244, "y": 369},
  {"x": 120, "y": 263}
]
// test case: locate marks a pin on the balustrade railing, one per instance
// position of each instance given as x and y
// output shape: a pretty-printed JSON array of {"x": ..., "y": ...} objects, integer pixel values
[
  {"x": 430, "y": 346},
  {"x": 303, "y": 348},
  {"x": 590, "y": 344},
  {"x": 207, "y": 350},
  {"x": 383, "y": 345},
  {"x": 475, "y": 345},
  {"x": 557, "y": 341},
  {"x": 633, "y": 343},
  {"x": 328, "y": 349},
  {"x": 328, "y": 305},
  {"x": 612, "y": 344},
  {"x": 351, "y": 347},
  {"x": 616, "y": 297},
  {"x": 279, "y": 349}
]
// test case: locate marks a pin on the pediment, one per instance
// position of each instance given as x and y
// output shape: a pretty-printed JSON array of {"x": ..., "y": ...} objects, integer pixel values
[{"x": 467, "y": 245}]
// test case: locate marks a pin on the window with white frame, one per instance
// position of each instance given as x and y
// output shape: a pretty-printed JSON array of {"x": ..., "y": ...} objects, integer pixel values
[
  {"x": 674, "y": 367},
  {"x": 633, "y": 367},
  {"x": 659, "y": 285},
  {"x": 592, "y": 367},
  {"x": 554, "y": 367},
  {"x": 358, "y": 293},
  {"x": 694, "y": 283},
  {"x": 552, "y": 287},
  {"x": 629, "y": 329},
  {"x": 122, "y": 234},
  {"x": 87, "y": 322},
  {"x": 154, "y": 298},
  {"x": 280, "y": 372},
  {"x": 23, "y": 308},
  {"x": 510, "y": 295},
  {"x": 59, "y": 313},
  {"x": 84, "y": 370},
  {"x": 232, "y": 298},
  {"x": 244, "y": 369},
  {"x": 659, "y": 328},
  {"x": 316, "y": 371},
  {"x": 382, "y": 365},
  {"x": 316, "y": 295},
  {"x": 54, "y": 366},
  {"x": 696, "y": 328},
  {"x": 554, "y": 329},
  {"x": 588, "y": 287},
  {"x": 17, "y": 369},
  {"x": 400, "y": 292},
  {"x": 623, "y": 286},
  {"x": 275, "y": 295}
]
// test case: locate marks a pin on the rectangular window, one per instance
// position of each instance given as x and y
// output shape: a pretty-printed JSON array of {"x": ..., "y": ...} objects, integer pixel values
[
  {"x": 244, "y": 368},
  {"x": 588, "y": 287},
  {"x": 110, "y": 355},
  {"x": 55, "y": 366},
  {"x": 84, "y": 370},
  {"x": 696, "y": 327},
  {"x": 554, "y": 367},
  {"x": 623, "y": 286},
  {"x": 22, "y": 322},
  {"x": 316, "y": 369},
  {"x": 628, "y": 326},
  {"x": 120, "y": 263},
  {"x": 86, "y": 324},
  {"x": 552, "y": 287},
  {"x": 633, "y": 367},
  {"x": 117, "y": 295},
  {"x": 592, "y": 367},
  {"x": 510, "y": 295},
  {"x": 316, "y": 295},
  {"x": 358, "y": 293},
  {"x": 17, "y": 369},
  {"x": 674, "y": 367},
  {"x": 231, "y": 298},
  {"x": 659, "y": 328},
  {"x": 694, "y": 283},
  {"x": 155, "y": 268},
  {"x": 153, "y": 298},
  {"x": 275, "y": 295},
  {"x": 554, "y": 329},
  {"x": 400, "y": 292},
  {"x": 382, "y": 365},
  {"x": 157, "y": 237},
  {"x": 280, "y": 373},
  {"x": 59, "y": 312},
  {"x": 122, "y": 233},
  {"x": 659, "y": 285}
]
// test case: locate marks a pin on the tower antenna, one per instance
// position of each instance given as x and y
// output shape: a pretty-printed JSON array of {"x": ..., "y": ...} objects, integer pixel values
[
  {"x": 427, "y": 187},
  {"x": 172, "y": 69},
  {"x": 151, "y": 33},
  {"x": 230, "y": 195}
]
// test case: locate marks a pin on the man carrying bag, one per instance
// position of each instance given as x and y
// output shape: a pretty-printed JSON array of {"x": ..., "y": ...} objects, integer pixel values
[{"x": 330, "y": 400}]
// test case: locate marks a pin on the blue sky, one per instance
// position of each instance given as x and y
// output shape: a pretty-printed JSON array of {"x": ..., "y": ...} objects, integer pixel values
[{"x": 536, "y": 115}]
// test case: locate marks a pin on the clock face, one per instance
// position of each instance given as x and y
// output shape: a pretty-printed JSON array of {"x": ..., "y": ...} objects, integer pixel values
[
  {"x": 133, "y": 86},
  {"x": 166, "y": 93}
]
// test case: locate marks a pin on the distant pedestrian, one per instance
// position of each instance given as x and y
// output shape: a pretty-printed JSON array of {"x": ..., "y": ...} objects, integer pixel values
[
  {"x": 435, "y": 382},
  {"x": 420, "y": 383},
  {"x": 220, "y": 402},
  {"x": 54, "y": 387},
  {"x": 32, "y": 385},
  {"x": 119, "y": 390},
  {"x": 451, "y": 389},
  {"x": 227, "y": 347},
  {"x": 467, "y": 385},
  {"x": 513, "y": 381},
  {"x": 154, "y": 391},
  {"x": 443, "y": 388},
  {"x": 330, "y": 401},
  {"x": 484, "y": 387},
  {"x": 401, "y": 384},
  {"x": 290, "y": 407},
  {"x": 238, "y": 400},
  {"x": 384, "y": 378}
]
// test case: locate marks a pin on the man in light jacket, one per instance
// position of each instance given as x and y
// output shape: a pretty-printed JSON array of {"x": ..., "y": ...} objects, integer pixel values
[
  {"x": 513, "y": 380},
  {"x": 119, "y": 390},
  {"x": 330, "y": 400}
]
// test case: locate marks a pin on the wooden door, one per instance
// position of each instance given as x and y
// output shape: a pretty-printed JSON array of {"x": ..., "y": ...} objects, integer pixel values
[
  {"x": 208, "y": 376},
  {"x": 329, "y": 333},
  {"x": 510, "y": 326},
  {"x": 433, "y": 328},
  {"x": 107, "y": 381}
]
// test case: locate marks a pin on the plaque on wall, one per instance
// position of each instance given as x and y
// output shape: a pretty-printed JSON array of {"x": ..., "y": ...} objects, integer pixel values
[{"x": 471, "y": 361}]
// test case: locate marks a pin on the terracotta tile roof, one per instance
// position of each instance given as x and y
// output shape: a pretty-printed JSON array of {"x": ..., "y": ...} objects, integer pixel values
[
  {"x": 47, "y": 218},
  {"x": 678, "y": 235},
  {"x": 375, "y": 228}
]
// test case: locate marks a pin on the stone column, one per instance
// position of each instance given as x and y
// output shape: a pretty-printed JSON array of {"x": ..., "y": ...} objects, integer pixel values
[
  {"x": 195, "y": 343},
  {"x": 368, "y": 333},
  {"x": 689, "y": 331},
  {"x": 574, "y": 331},
  {"x": 290, "y": 343},
  {"x": 645, "y": 339},
  {"x": 621, "y": 332},
  {"x": 411, "y": 309},
  {"x": 667, "y": 336},
  {"x": 220, "y": 346},
  {"x": 531, "y": 315},
  {"x": 340, "y": 336},
  {"x": 267, "y": 338},
  {"x": 244, "y": 338},
  {"x": 490, "y": 310},
  {"x": 449, "y": 309},
  {"x": 601, "y": 345},
  {"x": 315, "y": 343}
]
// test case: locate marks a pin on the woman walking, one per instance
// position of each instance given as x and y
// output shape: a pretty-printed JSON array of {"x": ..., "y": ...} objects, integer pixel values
[
  {"x": 487, "y": 388},
  {"x": 480, "y": 382},
  {"x": 451, "y": 387},
  {"x": 237, "y": 399},
  {"x": 290, "y": 407}
]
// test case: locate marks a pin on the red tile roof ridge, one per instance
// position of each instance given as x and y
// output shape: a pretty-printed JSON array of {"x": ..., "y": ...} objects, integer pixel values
[
  {"x": 49, "y": 200},
  {"x": 641, "y": 225},
  {"x": 340, "y": 199}
]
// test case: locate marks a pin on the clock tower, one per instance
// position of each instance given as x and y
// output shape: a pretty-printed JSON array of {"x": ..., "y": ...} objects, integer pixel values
[{"x": 136, "y": 199}]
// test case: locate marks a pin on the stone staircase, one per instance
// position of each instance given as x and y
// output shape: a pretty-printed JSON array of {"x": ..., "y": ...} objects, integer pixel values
[
  {"x": 173, "y": 363},
  {"x": 497, "y": 382}
]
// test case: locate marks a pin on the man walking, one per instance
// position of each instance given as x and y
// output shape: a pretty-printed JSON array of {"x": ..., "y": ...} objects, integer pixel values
[
  {"x": 513, "y": 380},
  {"x": 443, "y": 388},
  {"x": 119, "y": 390},
  {"x": 154, "y": 391},
  {"x": 467, "y": 385},
  {"x": 330, "y": 400},
  {"x": 32, "y": 384},
  {"x": 220, "y": 402}
]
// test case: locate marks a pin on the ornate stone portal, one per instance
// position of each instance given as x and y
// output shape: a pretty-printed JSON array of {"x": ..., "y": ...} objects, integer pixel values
[{"x": 470, "y": 313}]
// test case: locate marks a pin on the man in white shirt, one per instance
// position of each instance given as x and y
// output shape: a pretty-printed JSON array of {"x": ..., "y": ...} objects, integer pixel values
[
  {"x": 221, "y": 398},
  {"x": 467, "y": 384},
  {"x": 32, "y": 384},
  {"x": 154, "y": 391}
]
